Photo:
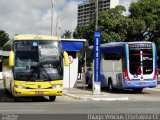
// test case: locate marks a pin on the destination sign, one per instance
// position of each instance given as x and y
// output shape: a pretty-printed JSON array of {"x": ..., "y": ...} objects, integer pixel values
[{"x": 140, "y": 46}]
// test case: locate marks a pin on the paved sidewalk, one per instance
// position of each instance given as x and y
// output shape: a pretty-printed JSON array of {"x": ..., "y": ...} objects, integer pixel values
[
  {"x": 87, "y": 95},
  {"x": 158, "y": 86}
]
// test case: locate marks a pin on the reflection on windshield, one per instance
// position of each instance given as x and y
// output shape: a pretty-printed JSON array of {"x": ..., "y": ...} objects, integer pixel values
[{"x": 37, "y": 60}]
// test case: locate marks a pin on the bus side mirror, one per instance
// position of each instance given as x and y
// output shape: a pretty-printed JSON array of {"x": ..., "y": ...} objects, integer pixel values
[
  {"x": 11, "y": 59},
  {"x": 66, "y": 58}
]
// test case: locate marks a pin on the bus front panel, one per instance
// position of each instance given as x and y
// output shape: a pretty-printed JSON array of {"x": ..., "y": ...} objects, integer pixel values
[
  {"x": 28, "y": 88},
  {"x": 38, "y": 69}
]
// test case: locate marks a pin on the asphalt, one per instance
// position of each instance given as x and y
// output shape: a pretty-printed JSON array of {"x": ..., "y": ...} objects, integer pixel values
[{"x": 88, "y": 95}]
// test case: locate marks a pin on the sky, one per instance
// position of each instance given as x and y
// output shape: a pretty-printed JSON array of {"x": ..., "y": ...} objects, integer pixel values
[
  {"x": 126, "y": 4},
  {"x": 34, "y": 16}
]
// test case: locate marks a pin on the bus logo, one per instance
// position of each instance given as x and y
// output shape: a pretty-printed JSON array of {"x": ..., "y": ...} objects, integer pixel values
[{"x": 39, "y": 86}]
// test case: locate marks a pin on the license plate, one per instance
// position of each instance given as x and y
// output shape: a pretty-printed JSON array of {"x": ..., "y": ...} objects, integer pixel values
[
  {"x": 38, "y": 93},
  {"x": 141, "y": 83}
]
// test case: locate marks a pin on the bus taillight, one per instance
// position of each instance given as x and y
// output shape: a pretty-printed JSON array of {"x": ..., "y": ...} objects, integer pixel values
[
  {"x": 155, "y": 74},
  {"x": 125, "y": 74}
]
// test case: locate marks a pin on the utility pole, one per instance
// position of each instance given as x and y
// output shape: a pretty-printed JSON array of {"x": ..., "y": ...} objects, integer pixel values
[
  {"x": 52, "y": 16},
  {"x": 57, "y": 24},
  {"x": 96, "y": 15}
]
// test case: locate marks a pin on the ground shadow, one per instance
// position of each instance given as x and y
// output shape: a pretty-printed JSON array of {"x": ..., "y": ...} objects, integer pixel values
[
  {"x": 5, "y": 96},
  {"x": 116, "y": 91}
]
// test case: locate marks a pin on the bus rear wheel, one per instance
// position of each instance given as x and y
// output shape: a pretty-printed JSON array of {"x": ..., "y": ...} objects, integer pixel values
[
  {"x": 52, "y": 98},
  {"x": 138, "y": 90}
]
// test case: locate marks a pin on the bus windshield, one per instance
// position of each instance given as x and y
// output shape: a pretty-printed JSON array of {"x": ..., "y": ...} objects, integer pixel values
[
  {"x": 37, "y": 60},
  {"x": 140, "y": 58}
]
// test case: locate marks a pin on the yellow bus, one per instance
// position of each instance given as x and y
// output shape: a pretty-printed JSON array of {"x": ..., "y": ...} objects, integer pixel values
[{"x": 37, "y": 66}]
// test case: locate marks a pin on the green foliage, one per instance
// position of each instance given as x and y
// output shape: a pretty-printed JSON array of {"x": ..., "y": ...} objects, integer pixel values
[
  {"x": 84, "y": 32},
  {"x": 67, "y": 34},
  {"x": 4, "y": 37},
  {"x": 5, "y": 61},
  {"x": 134, "y": 30},
  {"x": 111, "y": 24},
  {"x": 7, "y": 47},
  {"x": 147, "y": 11}
]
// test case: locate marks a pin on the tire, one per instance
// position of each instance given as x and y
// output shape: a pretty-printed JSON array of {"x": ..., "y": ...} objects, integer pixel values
[
  {"x": 52, "y": 98},
  {"x": 138, "y": 90}
]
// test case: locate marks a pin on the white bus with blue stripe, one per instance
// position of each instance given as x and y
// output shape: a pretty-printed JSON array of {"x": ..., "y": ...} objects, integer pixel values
[{"x": 127, "y": 65}]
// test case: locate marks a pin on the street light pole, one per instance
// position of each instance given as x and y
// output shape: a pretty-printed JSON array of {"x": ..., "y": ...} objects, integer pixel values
[
  {"x": 52, "y": 11},
  {"x": 57, "y": 24}
]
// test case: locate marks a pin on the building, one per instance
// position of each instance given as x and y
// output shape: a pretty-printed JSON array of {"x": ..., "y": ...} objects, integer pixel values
[{"x": 86, "y": 10}]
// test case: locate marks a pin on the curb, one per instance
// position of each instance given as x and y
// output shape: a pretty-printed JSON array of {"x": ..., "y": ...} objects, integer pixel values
[
  {"x": 95, "y": 99},
  {"x": 111, "y": 99},
  {"x": 74, "y": 97}
]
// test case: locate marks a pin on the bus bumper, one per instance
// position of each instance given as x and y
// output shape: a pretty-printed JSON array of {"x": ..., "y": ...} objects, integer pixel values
[
  {"x": 18, "y": 92},
  {"x": 140, "y": 84}
]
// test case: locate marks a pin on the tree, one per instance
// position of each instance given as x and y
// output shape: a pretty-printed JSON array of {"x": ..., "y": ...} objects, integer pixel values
[
  {"x": 147, "y": 11},
  {"x": 4, "y": 37},
  {"x": 111, "y": 24},
  {"x": 116, "y": 27},
  {"x": 67, "y": 34},
  {"x": 85, "y": 32},
  {"x": 7, "y": 47}
]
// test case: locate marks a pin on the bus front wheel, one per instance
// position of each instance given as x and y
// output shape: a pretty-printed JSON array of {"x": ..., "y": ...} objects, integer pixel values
[{"x": 52, "y": 98}]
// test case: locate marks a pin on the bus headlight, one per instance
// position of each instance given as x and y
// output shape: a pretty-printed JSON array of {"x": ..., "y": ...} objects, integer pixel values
[
  {"x": 19, "y": 86},
  {"x": 57, "y": 86}
]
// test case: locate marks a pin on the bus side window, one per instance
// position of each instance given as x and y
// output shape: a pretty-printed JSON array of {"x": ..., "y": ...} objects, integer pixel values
[{"x": 112, "y": 56}]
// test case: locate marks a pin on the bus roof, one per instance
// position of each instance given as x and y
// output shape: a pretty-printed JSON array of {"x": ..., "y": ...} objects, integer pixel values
[
  {"x": 115, "y": 47},
  {"x": 111, "y": 44},
  {"x": 118, "y": 44},
  {"x": 35, "y": 37}
]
